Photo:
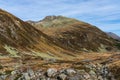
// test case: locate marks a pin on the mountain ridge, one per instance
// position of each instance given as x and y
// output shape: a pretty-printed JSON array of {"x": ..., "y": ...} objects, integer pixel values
[
  {"x": 63, "y": 26},
  {"x": 72, "y": 37}
]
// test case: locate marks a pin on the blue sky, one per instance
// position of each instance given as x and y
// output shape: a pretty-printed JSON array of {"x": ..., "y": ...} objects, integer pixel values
[{"x": 104, "y": 14}]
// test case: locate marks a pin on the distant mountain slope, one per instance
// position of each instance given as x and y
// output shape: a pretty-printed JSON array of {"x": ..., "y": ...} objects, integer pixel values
[
  {"x": 74, "y": 35},
  {"x": 113, "y": 35},
  {"x": 59, "y": 37}
]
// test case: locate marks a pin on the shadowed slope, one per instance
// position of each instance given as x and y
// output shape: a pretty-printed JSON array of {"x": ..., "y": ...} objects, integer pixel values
[{"x": 17, "y": 36}]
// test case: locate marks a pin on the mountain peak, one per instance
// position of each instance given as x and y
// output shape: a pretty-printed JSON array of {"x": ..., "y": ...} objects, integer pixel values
[
  {"x": 54, "y": 17},
  {"x": 74, "y": 35},
  {"x": 56, "y": 21},
  {"x": 113, "y": 35}
]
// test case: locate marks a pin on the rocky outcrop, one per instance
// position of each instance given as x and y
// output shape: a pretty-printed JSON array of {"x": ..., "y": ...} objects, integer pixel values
[{"x": 90, "y": 72}]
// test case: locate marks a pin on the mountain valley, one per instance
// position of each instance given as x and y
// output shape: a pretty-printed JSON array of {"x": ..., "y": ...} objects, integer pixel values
[{"x": 56, "y": 48}]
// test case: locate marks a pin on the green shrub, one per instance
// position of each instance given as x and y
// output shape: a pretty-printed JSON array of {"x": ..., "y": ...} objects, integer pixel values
[
  {"x": 117, "y": 45},
  {"x": 8, "y": 71},
  {"x": 1, "y": 74},
  {"x": 1, "y": 67}
]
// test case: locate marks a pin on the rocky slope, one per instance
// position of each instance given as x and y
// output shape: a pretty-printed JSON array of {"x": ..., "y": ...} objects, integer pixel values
[
  {"x": 74, "y": 35},
  {"x": 105, "y": 68},
  {"x": 96, "y": 73}
]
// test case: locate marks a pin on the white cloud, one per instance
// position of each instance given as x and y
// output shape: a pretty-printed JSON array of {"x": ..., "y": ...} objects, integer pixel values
[{"x": 97, "y": 12}]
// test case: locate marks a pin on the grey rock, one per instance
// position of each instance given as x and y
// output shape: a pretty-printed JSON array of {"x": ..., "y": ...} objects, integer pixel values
[
  {"x": 62, "y": 77},
  {"x": 26, "y": 76},
  {"x": 70, "y": 72},
  {"x": 51, "y": 72},
  {"x": 95, "y": 72},
  {"x": 86, "y": 76}
]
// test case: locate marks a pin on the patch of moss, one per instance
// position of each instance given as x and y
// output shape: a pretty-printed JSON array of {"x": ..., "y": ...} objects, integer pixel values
[
  {"x": 13, "y": 52},
  {"x": 45, "y": 55},
  {"x": 102, "y": 48}
]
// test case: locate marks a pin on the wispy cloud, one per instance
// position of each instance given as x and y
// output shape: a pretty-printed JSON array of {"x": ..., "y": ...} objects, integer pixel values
[{"x": 102, "y": 13}]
